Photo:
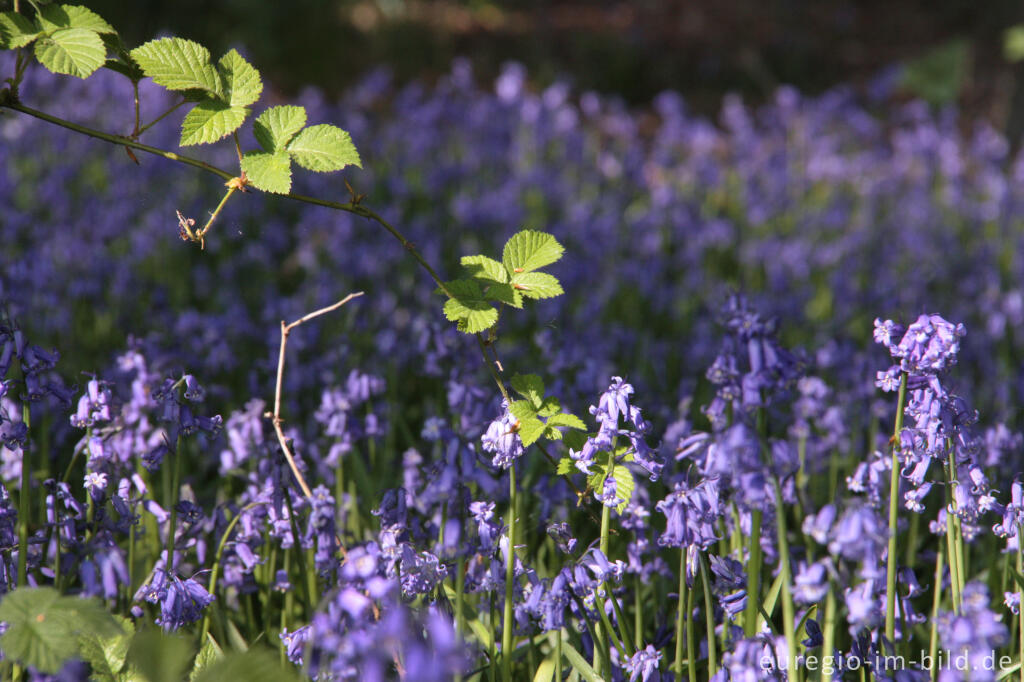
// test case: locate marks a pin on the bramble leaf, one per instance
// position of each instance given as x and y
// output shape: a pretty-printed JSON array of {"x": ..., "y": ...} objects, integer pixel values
[
  {"x": 106, "y": 654},
  {"x": 504, "y": 293},
  {"x": 16, "y": 30},
  {"x": 468, "y": 307},
  {"x": 536, "y": 285},
  {"x": 54, "y": 17},
  {"x": 209, "y": 121},
  {"x": 565, "y": 467},
  {"x": 530, "y": 386},
  {"x": 528, "y": 250},
  {"x": 574, "y": 440},
  {"x": 255, "y": 665},
  {"x": 522, "y": 409},
  {"x": 269, "y": 172},
  {"x": 530, "y": 431},
  {"x": 624, "y": 486},
  {"x": 76, "y": 52},
  {"x": 482, "y": 267},
  {"x": 323, "y": 148},
  {"x": 242, "y": 84},
  {"x": 276, "y": 126},
  {"x": 566, "y": 419},
  {"x": 43, "y": 626},
  {"x": 208, "y": 655},
  {"x": 179, "y": 64}
]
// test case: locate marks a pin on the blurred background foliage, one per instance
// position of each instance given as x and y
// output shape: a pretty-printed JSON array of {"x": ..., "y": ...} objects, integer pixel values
[{"x": 952, "y": 50}]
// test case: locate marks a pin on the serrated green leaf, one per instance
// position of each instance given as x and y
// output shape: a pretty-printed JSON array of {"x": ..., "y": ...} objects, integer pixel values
[
  {"x": 528, "y": 250},
  {"x": 129, "y": 70},
  {"x": 209, "y": 654},
  {"x": 323, "y": 148},
  {"x": 566, "y": 419},
  {"x": 255, "y": 665},
  {"x": 468, "y": 307},
  {"x": 179, "y": 64},
  {"x": 549, "y": 407},
  {"x": 565, "y": 467},
  {"x": 160, "y": 657},
  {"x": 44, "y": 627},
  {"x": 209, "y": 121},
  {"x": 268, "y": 172},
  {"x": 54, "y": 17},
  {"x": 530, "y": 386},
  {"x": 504, "y": 293},
  {"x": 624, "y": 486},
  {"x": 522, "y": 410},
  {"x": 276, "y": 126},
  {"x": 242, "y": 84},
  {"x": 482, "y": 267},
  {"x": 530, "y": 431},
  {"x": 575, "y": 440},
  {"x": 16, "y": 30},
  {"x": 76, "y": 52},
  {"x": 106, "y": 655},
  {"x": 536, "y": 285}
]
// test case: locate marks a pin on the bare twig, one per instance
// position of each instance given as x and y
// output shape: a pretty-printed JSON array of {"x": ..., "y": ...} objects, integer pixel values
[{"x": 275, "y": 416}]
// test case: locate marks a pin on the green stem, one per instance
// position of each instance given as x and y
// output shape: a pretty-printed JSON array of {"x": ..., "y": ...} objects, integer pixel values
[
  {"x": 691, "y": 644},
  {"x": 677, "y": 667},
  {"x": 638, "y": 613},
  {"x": 829, "y": 631},
  {"x": 510, "y": 563},
  {"x": 158, "y": 118},
  {"x": 23, "y": 505},
  {"x": 933, "y": 640},
  {"x": 624, "y": 634},
  {"x": 216, "y": 212},
  {"x": 753, "y": 575},
  {"x": 709, "y": 615},
  {"x": 894, "y": 505},
  {"x": 215, "y": 570},
  {"x": 788, "y": 612},
  {"x": 172, "y": 526}
]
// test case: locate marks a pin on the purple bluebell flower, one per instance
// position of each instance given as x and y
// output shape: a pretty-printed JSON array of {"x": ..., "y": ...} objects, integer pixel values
[
  {"x": 181, "y": 601},
  {"x": 502, "y": 439}
]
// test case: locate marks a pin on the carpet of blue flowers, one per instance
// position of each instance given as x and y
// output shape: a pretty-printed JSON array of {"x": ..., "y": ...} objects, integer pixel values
[{"x": 794, "y": 334}]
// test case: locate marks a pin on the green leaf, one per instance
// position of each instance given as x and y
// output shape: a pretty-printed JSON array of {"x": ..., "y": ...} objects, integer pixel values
[
  {"x": 269, "y": 172},
  {"x": 323, "y": 148},
  {"x": 160, "y": 657},
  {"x": 565, "y": 467},
  {"x": 43, "y": 626},
  {"x": 1013, "y": 43},
  {"x": 54, "y": 17},
  {"x": 536, "y": 285},
  {"x": 575, "y": 440},
  {"x": 504, "y": 293},
  {"x": 625, "y": 484},
  {"x": 569, "y": 420},
  {"x": 209, "y": 654},
  {"x": 276, "y": 126},
  {"x": 106, "y": 655},
  {"x": 242, "y": 84},
  {"x": 468, "y": 306},
  {"x": 16, "y": 30},
  {"x": 530, "y": 431},
  {"x": 482, "y": 267},
  {"x": 550, "y": 406},
  {"x": 528, "y": 250},
  {"x": 210, "y": 121},
  {"x": 522, "y": 410},
  {"x": 254, "y": 665},
  {"x": 530, "y": 386},
  {"x": 545, "y": 671},
  {"x": 179, "y": 64},
  {"x": 578, "y": 663},
  {"x": 76, "y": 52}
]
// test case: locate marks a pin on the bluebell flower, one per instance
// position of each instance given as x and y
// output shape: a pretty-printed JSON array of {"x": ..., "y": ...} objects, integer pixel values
[
  {"x": 181, "y": 601},
  {"x": 643, "y": 665},
  {"x": 502, "y": 439}
]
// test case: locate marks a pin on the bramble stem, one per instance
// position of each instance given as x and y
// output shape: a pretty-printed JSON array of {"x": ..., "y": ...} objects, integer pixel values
[
  {"x": 894, "y": 506},
  {"x": 159, "y": 118}
]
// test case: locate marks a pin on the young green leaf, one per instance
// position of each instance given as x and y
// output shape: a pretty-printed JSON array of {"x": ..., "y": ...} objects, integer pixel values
[
  {"x": 565, "y": 467},
  {"x": 522, "y": 410},
  {"x": 160, "y": 657},
  {"x": 209, "y": 121},
  {"x": 269, "y": 172},
  {"x": 528, "y": 250},
  {"x": 75, "y": 52},
  {"x": 16, "y": 31},
  {"x": 530, "y": 431},
  {"x": 208, "y": 654},
  {"x": 536, "y": 285},
  {"x": 468, "y": 307},
  {"x": 482, "y": 267},
  {"x": 549, "y": 406},
  {"x": 504, "y": 293},
  {"x": 179, "y": 64},
  {"x": 575, "y": 440},
  {"x": 255, "y": 665},
  {"x": 566, "y": 419},
  {"x": 530, "y": 386},
  {"x": 323, "y": 148},
  {"x": 242, "y": 84},
  {"x": 624, "y": 486},
  {"x": 106, "y": 654},
  {"x": 54, "y": 17},
  {"x": 276, "y": 126},
  {"x": 44, "y": 627}
]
